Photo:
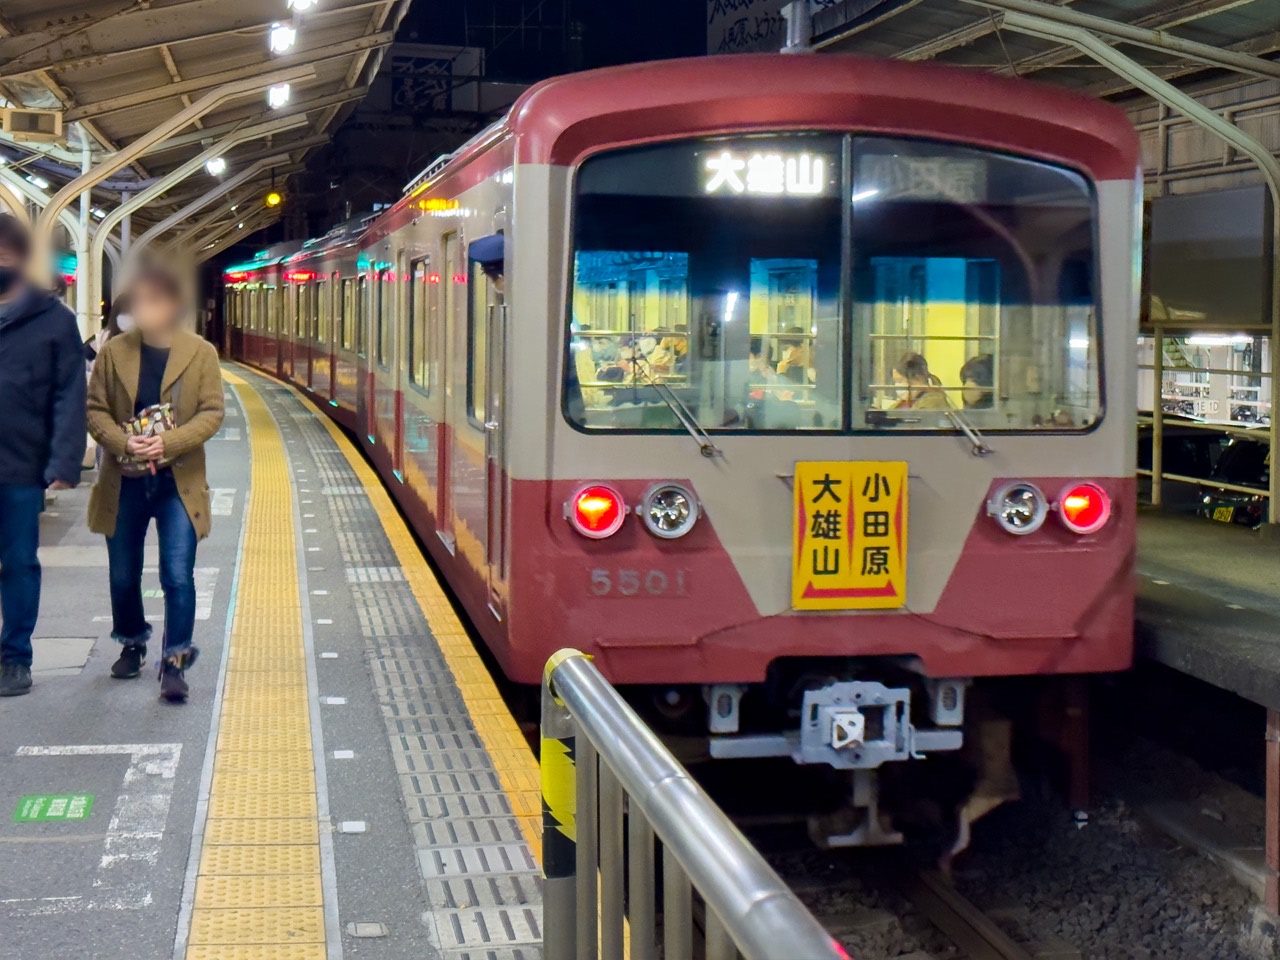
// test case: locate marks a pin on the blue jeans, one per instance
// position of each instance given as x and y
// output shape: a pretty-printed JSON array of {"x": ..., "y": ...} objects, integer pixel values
[
  {"x": 143, "y": 499},
  {"x": 20, "y": 509}
]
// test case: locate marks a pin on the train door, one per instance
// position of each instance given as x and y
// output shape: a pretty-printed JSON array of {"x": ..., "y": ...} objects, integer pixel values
[
  {"x": 400, "y": 360},
  {"x": 377, "y": 333},
  {"x": 495, "y": 441},
  {"x": 366, "y": 285},
  {"x": 275, "y": 307},
  {"x": 484, "y": 394},
  {"x": 449, "y": 421}
]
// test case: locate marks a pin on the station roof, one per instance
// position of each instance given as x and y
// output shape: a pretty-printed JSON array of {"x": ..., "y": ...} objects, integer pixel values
[
  {"x": 972, "y": 34},
  {"x": 117, "y": 69}
]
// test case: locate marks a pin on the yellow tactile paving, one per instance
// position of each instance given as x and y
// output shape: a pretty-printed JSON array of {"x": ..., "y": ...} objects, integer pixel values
[
  {"x": 258, "y": 893},
  {"x": 517, "y": 769},
  {"x": 250, "y": 891},
  {"x": 274, "y": 831}
]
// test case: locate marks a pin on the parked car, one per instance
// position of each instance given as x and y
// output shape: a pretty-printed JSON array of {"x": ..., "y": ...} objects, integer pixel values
[
  {"x": 1188, "y": 451},
  {"x": 1245, "y": 463}
]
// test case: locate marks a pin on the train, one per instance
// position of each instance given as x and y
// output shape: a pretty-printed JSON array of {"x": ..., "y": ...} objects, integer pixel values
[{"x": 799, "y": 393}]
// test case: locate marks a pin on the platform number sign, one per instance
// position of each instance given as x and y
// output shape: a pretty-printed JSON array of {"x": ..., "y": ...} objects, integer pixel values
[
  {"x": 39, "y": 809},
  {"x": 850, "y": 536}
]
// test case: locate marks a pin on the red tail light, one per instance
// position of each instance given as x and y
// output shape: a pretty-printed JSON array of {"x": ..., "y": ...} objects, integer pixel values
[
  {"x": 596, "y": 511},
  {"x": 1084, "y": 508}
]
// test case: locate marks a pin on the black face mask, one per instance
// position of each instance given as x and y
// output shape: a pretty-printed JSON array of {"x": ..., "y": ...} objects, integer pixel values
[{"x": 9, "y": 276}]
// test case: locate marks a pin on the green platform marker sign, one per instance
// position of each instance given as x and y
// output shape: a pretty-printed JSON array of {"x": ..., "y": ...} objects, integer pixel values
[{"x": 39, "y": 809}]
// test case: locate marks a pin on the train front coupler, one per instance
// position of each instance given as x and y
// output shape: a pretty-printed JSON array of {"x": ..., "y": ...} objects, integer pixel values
[{"x": 853, "y": 725}]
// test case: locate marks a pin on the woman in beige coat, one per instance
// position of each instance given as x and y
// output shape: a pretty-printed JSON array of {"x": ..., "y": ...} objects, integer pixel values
[{"x": 168, "y": 378}]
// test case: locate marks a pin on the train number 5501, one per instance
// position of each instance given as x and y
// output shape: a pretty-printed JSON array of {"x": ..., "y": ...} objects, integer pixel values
[{"x": 637, "y": 583}]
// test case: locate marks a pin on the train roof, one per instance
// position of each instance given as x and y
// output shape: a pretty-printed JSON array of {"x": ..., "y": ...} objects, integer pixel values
[{"x": 561, "y": 120}]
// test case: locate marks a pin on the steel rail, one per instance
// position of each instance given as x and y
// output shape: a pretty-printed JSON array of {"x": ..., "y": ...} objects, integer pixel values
[{"x": 972, "y": 930}]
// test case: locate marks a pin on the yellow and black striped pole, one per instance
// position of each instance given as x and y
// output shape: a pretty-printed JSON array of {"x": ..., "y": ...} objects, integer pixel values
[{"x": 559, "y": 820}]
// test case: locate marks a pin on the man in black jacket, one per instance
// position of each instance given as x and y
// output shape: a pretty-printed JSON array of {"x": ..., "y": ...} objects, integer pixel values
[{"x": 42, "y": 439}]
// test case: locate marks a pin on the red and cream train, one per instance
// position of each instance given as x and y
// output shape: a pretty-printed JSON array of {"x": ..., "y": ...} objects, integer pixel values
[{"x": 804, "y": 402}]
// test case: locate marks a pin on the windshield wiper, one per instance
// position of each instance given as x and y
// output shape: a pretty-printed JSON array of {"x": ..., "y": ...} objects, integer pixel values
[
  {"x": 965, "y": 426},
  {"x": 687, "y": 420}
]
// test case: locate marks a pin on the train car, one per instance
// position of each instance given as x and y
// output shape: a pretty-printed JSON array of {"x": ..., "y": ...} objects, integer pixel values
[
  {"x": 254, "y": 307},
  {"x": 802, "y": 397}
]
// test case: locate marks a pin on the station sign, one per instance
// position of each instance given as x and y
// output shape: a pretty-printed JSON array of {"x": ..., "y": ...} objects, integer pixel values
[{"x": 849, "y": 546}]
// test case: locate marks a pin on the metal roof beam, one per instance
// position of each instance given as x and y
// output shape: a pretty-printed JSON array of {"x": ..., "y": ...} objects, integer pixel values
[
  {"x": 249, "y": 193},
  {"x": 315, "y": 55},
  {"x": 1162, "y": 19},
  {"x": 86, "y": 181},
  {"x": 1256, "y": 47},
  {"x": 392, "y": 13},
  {"x": 292, "y": 110},
  {"x": 1158, "y": 40},
  {"x": 143, "y": 28},
  {"x": 251, "y": 227},
  {"x": 220, "y": 190},
  {"x": 232, "y": 227}
]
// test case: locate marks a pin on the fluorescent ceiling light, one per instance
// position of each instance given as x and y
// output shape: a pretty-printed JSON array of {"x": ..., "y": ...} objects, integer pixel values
[{"x": 281, "y": 37}]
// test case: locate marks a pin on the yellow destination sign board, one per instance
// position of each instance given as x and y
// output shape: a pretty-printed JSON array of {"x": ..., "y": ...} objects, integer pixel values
[{"x": 850, "y": 537}]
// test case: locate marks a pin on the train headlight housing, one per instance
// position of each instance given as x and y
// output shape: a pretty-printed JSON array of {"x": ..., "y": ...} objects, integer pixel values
[
  {"x": 1019, "y": 507},
  {"x": 1084, "y": 508},
  {"x": 669, "y": 510},
  {"x": 596, "y": 511}
]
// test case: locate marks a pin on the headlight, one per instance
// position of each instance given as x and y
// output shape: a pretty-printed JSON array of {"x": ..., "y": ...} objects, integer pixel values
[
  {"x": 1019, "y": 507},
  {"x": 669, "y": 511}
]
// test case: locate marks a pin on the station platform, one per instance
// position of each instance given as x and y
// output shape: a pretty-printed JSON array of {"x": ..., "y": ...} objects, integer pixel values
[
  {"x": 345, "y": 779},
  {"x": 1209, "y": 603}
]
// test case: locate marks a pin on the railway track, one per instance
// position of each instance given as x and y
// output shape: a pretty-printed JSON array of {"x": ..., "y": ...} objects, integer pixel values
[{"x": 968, "y": 927}]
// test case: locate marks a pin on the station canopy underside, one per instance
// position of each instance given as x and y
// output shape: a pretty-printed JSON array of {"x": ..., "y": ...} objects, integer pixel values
[
  {"x": 972, "y": 34},
  {"x": 119, "y": 68}
]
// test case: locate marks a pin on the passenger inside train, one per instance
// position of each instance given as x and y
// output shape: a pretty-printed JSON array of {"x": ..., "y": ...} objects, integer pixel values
[
  {"x": 976, "y": 380},
  {"x": 917, "y": 388}
]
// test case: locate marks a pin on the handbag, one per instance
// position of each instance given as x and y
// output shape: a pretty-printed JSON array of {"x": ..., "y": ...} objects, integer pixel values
[{"x": 150, "y": 422}]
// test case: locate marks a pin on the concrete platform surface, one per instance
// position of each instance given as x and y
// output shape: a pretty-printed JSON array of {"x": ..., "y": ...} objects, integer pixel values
[
  {"x": 1209, "y": 603},
  {"x": 132, "y": 829}
]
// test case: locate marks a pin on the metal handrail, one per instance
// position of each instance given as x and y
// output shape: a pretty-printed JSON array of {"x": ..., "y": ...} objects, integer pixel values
[
  {"x": 605, "y": 773},
  {"x": 1209, "y": 484}
]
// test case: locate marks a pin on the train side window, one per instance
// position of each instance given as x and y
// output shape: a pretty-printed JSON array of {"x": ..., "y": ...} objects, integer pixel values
[
  {"x": 346, "y": 315},
  {"x": 321, "y": 311},
  {"x": 379, "y": 321},
  {"x": 365, "y": 299},
  {"x": 421, "y": 286},
  {"x": 268, "y": 309},
  {"x": 386, "y": 301},
  {"x": 480, "y": 297}
]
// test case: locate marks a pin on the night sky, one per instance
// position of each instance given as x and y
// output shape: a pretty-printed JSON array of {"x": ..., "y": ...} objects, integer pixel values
[{"x": 620, "y": 32}]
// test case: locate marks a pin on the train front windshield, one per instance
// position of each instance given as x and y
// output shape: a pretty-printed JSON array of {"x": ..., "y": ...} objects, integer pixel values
[{"x": 831, "y": 283}]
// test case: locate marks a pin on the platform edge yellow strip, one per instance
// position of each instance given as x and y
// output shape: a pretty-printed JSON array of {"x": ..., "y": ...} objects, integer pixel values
[
  {"x": 263, "y": 836},
  {"x": 517, "y": 770}
]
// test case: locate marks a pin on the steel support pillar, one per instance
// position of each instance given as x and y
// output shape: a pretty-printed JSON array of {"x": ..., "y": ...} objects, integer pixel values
[
  {"x": 122, "y": 158},
  {"x": 1166, "y": 93},
  {"x": 88, "y": 269},
  {"x": 14, "y": 205},
  {"x": 1271, "y": 897}
]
